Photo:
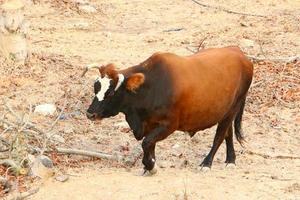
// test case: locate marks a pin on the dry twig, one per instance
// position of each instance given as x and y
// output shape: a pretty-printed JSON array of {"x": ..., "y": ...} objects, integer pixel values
[
  {"x": 227, "y": 10},
  {"x": 201, "y": 43}
]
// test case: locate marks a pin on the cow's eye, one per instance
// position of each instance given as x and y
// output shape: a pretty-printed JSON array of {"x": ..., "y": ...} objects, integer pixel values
[
  {"x": 97, "y": 87},
  {"x": 109, "y": 93}
]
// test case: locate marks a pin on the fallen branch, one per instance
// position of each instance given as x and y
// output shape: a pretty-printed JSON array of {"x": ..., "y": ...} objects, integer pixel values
[
  {"x": 227, "y": 10},
  {"x": 285, "y": 60},
  {"x": 272, "y": 157},
  {"x": 89, "y": 153},
  {"x": 24, "y": 195}
]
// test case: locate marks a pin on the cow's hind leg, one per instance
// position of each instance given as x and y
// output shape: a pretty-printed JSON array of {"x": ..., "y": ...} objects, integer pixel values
[
  {"x": 219, "y": 138},
  {"x": 230, "y": 154}
]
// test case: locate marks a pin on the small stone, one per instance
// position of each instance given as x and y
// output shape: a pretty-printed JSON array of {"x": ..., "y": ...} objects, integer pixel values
[
  {"x": 46, "y": 161},
  {"x": 175, "y": 146},
  {"x": 87, "y": 9},
  {"x": 41, "y": 166},
  {"x": 45, "y": 109},
  {"x": 62, "y": 178},
  {"x": 247, "y": 43}
]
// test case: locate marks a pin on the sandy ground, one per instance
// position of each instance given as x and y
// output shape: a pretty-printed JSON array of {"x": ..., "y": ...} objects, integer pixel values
[{"x": 62, "y": 41}]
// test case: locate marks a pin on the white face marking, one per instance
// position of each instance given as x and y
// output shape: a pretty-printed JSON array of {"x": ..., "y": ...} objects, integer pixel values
[
  {"x": 120, "y": 81},
  {"x": 105, "y": 82}
]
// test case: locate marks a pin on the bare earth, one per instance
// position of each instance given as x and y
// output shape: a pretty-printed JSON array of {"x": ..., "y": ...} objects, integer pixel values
[{"x": 62, "y": 41}]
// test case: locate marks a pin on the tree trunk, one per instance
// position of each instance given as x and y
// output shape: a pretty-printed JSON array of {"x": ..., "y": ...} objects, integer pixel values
[{"x": 13, "y": 29}]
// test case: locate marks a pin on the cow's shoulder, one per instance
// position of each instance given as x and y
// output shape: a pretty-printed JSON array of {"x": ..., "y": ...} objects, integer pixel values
[{"x": 157, "y": 60}]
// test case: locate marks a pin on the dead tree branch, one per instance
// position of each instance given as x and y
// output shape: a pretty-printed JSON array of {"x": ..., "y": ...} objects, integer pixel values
[
  {"x": 272, "y": 157},
  {"x": 89, "y": 153},
  {"x": 284, "y": 60},
  {"x": 227, "y": 10}
]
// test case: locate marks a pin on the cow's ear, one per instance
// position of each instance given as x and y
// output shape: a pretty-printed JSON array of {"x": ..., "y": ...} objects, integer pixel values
[{"x": 135, "y": 81}]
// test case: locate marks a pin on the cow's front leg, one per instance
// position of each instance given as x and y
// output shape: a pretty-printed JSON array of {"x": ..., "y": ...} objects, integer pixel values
[
  {"x": 148, "y": 145},
  {"x": 135, "y": 123}
]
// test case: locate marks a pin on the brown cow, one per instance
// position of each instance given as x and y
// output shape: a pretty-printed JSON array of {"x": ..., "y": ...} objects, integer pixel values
[{"x": 168, "y": 92}]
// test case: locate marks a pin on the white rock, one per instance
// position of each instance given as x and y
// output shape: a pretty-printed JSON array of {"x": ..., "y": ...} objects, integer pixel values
[
  {"x": 87, "y": 9},
  {"x": 247, "y": 43},
  {"x": 175, "y": 146},
  {"x": 62, "y": 178},
  {"x": 45, "y": 109}
]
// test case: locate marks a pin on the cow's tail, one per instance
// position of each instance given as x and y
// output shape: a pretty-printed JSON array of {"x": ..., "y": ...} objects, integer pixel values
[{"x": 238, "y": 123}]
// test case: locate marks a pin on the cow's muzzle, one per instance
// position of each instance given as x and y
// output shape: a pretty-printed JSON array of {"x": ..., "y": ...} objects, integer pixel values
[{"x": 91, "y": 116}]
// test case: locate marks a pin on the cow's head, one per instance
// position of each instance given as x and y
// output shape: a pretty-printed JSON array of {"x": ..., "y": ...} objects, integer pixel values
[{"x": 110, "y": 90}]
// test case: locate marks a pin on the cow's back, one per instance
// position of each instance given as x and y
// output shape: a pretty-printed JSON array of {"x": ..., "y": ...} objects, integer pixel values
[{"x": 206, "y": 85}]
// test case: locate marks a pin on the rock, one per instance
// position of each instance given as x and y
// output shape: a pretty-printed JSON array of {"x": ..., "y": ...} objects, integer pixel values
[
  {"x": 247, "y": 43},
  {"x": 41, "y": 166},
  {"x": 45, "y": 109},
  {"x": 46, "y": 161},
  {"x": 62, "y": 178},
  {"x": 175, "y": 146},
  {"x": 87, "y": 9}
]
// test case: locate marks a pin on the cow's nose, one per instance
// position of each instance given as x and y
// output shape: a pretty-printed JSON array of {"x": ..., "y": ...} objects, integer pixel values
[{"x": 90, "y": 115}]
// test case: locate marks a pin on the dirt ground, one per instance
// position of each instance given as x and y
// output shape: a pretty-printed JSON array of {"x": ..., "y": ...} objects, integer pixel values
[{"x": 62, "y": 41}]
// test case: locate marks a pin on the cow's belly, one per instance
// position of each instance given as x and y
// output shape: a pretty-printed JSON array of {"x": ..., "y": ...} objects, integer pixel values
[{"x": 204, "y": 112}]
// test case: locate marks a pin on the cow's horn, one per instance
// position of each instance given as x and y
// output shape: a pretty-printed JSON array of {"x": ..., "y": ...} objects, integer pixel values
[
  {"x": 90, "y": 66},
  {"x": 120, "y": 81}
]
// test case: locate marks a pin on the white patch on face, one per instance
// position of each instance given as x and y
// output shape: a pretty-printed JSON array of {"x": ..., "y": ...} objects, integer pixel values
[
  {"x": 120, "y": 81},
  {"x": 105, "y": 83}
]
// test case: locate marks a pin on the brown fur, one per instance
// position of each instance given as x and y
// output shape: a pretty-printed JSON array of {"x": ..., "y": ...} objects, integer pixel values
[
  {"x": 110, "y": 71},
  {"x": 134, "y": 81},
  {"x": 186, "y": 93}
]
